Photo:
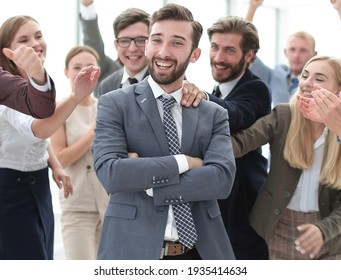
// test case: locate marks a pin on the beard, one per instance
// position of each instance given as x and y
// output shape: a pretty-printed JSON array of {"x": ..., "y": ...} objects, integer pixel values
[
  {"x": 167, "y": 78},
  {"x": 235, "y": 70}
]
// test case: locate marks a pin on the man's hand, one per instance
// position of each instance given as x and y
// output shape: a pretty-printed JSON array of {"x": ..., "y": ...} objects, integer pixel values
[
  {"x": 337, "y": 6},
  {"x": 253, "y": 6},
  {"x": 87, "y": 2},
  {"x": 191, "y": 95},
  {"x": 194, "y": 162}
]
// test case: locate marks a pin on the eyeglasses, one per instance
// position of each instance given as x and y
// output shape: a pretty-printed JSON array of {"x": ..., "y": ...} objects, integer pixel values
[{"x": 124, "y": 42}]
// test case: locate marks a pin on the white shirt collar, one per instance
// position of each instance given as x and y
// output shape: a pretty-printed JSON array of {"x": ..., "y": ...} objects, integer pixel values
[
  {"x": 158, "y": 91},
  {"x": 139, "y": 76},
  {"x": 225, "y": 88}
]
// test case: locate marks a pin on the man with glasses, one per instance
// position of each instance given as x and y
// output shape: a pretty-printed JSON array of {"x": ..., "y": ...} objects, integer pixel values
[{"x": 131, "y": 33}]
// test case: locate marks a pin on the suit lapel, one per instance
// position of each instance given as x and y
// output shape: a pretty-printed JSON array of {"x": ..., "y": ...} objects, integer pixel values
[
  {"x": 190, "y": 118},
  {"x": 145, "y": 99}
]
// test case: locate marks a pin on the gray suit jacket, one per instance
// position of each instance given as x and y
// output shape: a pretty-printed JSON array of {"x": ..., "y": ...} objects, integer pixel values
[
  {"x": 276, "y": 79},
  {"x": 282, "y": 180},
  {"x": 128, "y": 121},
  {"x": 92, "y": 37}
]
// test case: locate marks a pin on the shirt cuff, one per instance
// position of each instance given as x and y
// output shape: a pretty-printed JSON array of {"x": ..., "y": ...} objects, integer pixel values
[
  {"x": 207, "y": 95},
  {"x": 182, "y": 163},
  {"x": 45, "y": 87},
  {"x": 89, "y": 12}
]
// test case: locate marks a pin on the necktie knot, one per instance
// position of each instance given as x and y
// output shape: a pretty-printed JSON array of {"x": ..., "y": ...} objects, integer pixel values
[
  {"x": 167, "y": 102},
  {"x": 217, "y": 91},
  {"x": 294, "y": 84},
  {"x": 132, "y": 81}
]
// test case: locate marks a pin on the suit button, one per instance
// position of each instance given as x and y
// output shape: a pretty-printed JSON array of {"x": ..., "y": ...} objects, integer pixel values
[
  {"x": 277, "y": 211},
  {"x": 88, "y": 167},
  {"x": 286, "y": 194},
  {"x": 32, "y": 180}
]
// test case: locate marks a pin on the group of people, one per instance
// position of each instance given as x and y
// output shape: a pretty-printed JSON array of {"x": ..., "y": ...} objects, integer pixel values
[{"x": 155, "y": 168}]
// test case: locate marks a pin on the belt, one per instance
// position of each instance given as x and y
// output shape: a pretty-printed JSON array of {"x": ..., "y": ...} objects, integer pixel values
[{"x": 173, "y": 248}]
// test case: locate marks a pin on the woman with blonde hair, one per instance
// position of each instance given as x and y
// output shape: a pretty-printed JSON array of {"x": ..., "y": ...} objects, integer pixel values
[{"x": 298, "y": 210}]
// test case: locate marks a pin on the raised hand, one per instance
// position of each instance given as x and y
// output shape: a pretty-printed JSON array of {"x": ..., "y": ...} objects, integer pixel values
[
  {"x": 86, "y": 2},
  {"x": 29, "y": 61},
  {"x": 85, "y": 82}
]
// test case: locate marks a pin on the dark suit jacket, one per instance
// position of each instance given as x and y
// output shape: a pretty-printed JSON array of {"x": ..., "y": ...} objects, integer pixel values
[
  {"x": 92, "y": 37},
  {"x": 113, "y": 82},
  {"x": 282, "y": 180},
  {"x": 249, "y": 100},
  {"x": 134, "y": 226},
  {"x": 18, "y": 93}
]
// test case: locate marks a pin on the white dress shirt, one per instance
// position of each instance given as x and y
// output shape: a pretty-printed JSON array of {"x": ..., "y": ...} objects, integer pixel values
[
  {"x": 88, "y": 12},
  {"x": 19, "y": 148},
  {"x": 138, "y": 77},
  {"x": 171, "y": 233},
  {"x": 225, "y": 88}
]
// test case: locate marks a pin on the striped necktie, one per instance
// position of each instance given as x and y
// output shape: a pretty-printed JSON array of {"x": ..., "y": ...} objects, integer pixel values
[{"x": 182, "y": 212}]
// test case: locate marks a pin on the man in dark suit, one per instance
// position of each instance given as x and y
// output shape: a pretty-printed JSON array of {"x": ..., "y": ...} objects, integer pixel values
[
  {"x": 147, "y": 189},
  {"x": 234, "y": 44},
  {"x": 35, "y": 96}
]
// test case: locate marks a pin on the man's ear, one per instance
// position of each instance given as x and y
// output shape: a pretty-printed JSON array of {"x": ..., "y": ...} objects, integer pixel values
[{"x": 195, "y": 55}]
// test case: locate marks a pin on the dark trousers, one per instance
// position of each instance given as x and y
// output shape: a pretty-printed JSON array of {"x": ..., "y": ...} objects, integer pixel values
[{"x": 26, "y": 215}]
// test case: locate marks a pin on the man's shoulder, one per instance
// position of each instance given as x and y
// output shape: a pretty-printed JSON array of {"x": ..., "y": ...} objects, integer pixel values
[
  {"x": 252, "y": 82},
  {"x": 111, "y": 82},
  {"x": 206, "y": 105},
  {"x": 114, "y": 76},
  {"x": 282, "y": 68}
]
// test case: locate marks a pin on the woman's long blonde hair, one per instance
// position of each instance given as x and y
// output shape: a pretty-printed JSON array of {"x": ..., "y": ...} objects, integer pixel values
[{"x": 299, "y": 144}]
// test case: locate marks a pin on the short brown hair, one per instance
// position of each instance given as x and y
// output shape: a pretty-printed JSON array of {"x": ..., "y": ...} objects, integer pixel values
[
  {"x": 237, "y": 25},
  {"x": 129, "y": 17},
  {"x": 176, "y": 12}
]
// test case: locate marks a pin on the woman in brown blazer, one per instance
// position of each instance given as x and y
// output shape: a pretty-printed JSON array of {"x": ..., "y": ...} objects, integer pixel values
[{"x": 298, "y": 210}]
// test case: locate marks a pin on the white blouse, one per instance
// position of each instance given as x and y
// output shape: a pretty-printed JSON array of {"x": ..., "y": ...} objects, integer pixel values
[
  {"x": 19, "y": 148},
  {"x": 305, "y": 198}
]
